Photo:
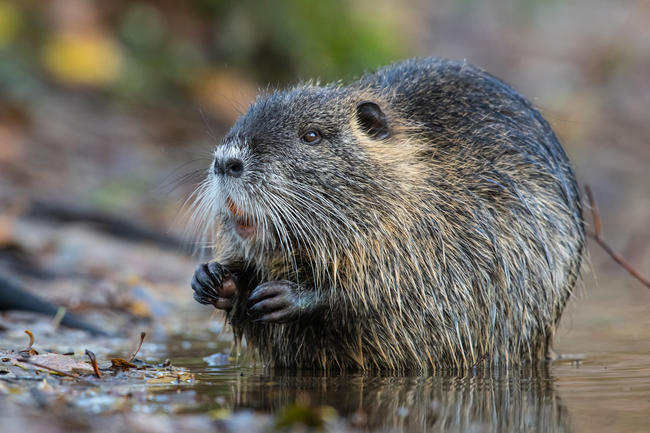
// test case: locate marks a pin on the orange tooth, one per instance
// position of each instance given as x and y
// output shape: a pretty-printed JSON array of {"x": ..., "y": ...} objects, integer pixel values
[{"x": 233, "y": 208}]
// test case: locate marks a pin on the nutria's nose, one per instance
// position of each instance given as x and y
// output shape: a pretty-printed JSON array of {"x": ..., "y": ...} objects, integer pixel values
[
  {"x": 234, "y": 167},
  {"x": 231, "y": 167}
]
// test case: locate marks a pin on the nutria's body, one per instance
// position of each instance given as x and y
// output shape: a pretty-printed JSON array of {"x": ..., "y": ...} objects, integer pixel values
[{"x": 422, "y": 217}]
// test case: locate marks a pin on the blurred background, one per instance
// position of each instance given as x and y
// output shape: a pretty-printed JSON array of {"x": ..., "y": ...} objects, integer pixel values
[
  {"x": 109, "y": 111},
  {"x": 102, "y": 103},
  {"x": 114, "y": 107}
]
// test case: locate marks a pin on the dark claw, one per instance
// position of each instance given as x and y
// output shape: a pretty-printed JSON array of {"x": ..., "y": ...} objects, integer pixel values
[
  {"x": 202, "y": 300},
  {"x": 276, "y": 317},
  {"x": 203, "y": 283},
  {"x": 269, "y": 304},
  {"x": 275, "y": 301},
  {"x": 207, "y": 284},
  {"x": 265, "y": 291},
  {"x": 218, "y": 272}
]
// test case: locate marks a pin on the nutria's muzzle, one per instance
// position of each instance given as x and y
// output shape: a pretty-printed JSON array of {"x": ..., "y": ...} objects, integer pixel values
[{"x": 244, "y": 226}]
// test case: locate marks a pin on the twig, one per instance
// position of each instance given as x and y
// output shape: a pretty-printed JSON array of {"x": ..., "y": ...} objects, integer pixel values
[
  {"x": 31, "y": 341},
  {"x": 29, "y": 351},
  {"x": 597, "y": 235},
  {"x": 142, "y": 335},
  {"x": 93, "y": 362},
  {"x": 56, "y": 321}
]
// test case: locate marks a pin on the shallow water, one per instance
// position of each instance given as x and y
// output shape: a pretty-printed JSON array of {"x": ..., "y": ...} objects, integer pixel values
[
  {"x": 599, "y": 383},
  {"x": 604, "y": 392}
]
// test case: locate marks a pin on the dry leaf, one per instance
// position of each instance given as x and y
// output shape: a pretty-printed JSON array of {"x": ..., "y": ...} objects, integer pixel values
[
  {"x": 55, "y": 361},
  {"x": 122, "y": 364},
  {"x": 173, "y": 377}
]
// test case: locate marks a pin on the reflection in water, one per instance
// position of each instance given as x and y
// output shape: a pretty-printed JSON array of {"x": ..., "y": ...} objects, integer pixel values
[{"x": 486, "y": 401}]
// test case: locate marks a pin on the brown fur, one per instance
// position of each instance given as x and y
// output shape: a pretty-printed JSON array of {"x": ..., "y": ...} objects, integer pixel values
[{"x": 457, "y": 237}]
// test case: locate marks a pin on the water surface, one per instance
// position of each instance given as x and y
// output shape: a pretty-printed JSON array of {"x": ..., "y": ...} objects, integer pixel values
[{"x": 605, "y": 392}]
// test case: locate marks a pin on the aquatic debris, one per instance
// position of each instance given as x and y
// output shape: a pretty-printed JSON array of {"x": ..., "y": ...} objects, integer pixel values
[
  {"x": 93, "y": 362},
  {"x": 142, "y": 335},
  {"x": 68, "y": 366},
  {"x": 28, "y": 351}
]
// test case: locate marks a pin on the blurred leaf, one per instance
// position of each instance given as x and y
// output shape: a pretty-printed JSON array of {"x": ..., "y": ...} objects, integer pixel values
[
  {"x": 139, "y": 309},
  {"x": 225, "y": 94},
  {"x": 74, "y": 58},
  {"x": 301, "y": 413},
  {"x": 221, "y": 413},
  {"x": 10, "y": 22}
]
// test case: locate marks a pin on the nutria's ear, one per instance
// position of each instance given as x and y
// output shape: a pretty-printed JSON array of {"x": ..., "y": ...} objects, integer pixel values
[{"x": 372, "y": 120}]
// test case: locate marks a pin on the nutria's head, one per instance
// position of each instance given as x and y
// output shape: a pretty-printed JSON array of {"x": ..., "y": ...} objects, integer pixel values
[{"x": 297, "y": 171}]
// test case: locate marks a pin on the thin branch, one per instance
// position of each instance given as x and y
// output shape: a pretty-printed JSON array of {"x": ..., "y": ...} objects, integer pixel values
[
  {"x": 29, "y": 350},
  {"x": 595, "y": 214},
  {"x": 598, "y": 237},
  {"x": 93, "y": 362},
  {"x": 142, "y": 335}
]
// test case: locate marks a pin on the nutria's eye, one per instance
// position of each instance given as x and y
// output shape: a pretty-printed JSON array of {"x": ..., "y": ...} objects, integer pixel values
[{"x": 311, "y": 137}]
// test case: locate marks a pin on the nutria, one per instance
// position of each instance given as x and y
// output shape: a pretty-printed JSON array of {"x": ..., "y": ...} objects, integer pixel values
[{"x": 422, "y": 217}]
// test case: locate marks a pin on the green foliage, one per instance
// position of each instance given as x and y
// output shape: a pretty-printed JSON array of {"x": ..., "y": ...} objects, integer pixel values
[
  {"x": 144, "y": 51},
  {"x": 289, "y": 38}
]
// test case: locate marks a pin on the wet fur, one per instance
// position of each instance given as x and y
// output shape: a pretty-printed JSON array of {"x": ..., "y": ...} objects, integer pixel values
[{"x": 457, "y": 238}]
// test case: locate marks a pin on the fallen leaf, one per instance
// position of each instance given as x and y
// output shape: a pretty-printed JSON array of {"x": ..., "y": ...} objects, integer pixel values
[
  {"x": 122, "y": 364},
  {"x": 173, "y": 377},
  {"x": 55, "y": 361}
]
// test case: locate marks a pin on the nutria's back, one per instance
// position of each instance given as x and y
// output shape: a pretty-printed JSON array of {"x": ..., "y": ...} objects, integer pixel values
[{"x": 433, "y": 220}]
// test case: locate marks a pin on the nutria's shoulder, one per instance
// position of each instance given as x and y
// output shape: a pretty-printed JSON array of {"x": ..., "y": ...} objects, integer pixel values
[
  {"x": 428, "y": 88},
  {"x": 414, "y": 70},
  {"x": 420, "y": 75}
]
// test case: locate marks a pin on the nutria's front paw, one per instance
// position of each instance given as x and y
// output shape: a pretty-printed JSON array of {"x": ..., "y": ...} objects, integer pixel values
[
  {"x": 280, "y": 302},
  {"x": 214, "y": 285}
]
